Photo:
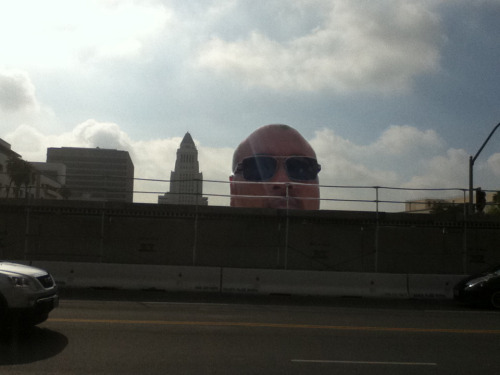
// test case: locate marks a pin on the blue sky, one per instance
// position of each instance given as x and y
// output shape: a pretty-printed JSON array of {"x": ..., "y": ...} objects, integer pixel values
[{"x": 390, "y": 93}]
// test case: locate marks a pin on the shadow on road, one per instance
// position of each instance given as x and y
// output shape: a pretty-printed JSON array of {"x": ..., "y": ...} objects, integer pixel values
[{"x": 31, "y": 345}]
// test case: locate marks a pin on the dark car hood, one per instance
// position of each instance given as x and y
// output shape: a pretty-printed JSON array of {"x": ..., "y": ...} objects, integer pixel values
[{"x": 488, "y": 274}]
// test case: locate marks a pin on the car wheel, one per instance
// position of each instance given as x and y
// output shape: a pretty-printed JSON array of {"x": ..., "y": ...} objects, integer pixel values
[{"x": 495, "y": 299}]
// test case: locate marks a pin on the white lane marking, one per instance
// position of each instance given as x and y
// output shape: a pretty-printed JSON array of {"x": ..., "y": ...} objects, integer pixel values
[{"x": 365, "y": 362}]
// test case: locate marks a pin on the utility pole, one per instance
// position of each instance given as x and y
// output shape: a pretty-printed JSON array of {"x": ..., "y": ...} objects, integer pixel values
[{"x": 471, "y": 167}]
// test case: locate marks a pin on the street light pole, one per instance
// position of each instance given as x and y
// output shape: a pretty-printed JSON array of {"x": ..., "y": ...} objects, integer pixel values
[{"x": 471, "y": 167}]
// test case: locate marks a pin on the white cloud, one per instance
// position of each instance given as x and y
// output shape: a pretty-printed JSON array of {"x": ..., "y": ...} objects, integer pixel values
[
  {"x": 32, "y": 143},
  {"x": 28, "y": 142},
  {"x": 17, "y": 92},
  {"x": 394, "y": 150},
  {"x": 494, "y": 164},
  {"x": 19, "y": 103},
  {"x": 92, "y": 133},
  {"x": 60, "y": 32},
  {"x": 444, "y": 171},
  {"x": 360, "y": 46},
  {"x": 399, "y": 140}
]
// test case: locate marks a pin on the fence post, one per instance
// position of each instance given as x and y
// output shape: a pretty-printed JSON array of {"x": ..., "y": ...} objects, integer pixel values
[
  {"x": 286, "y": 228},
  {"x": 27, "y": 233},
  {"x": 195, "y": 232},
  {"x": 376, "y": 228},
  {"x": 101, "y": 250},
  {"x": 464, "y": 255}
]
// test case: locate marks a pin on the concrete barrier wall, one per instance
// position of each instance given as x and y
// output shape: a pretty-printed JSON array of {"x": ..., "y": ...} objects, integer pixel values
[
  {"x": 133, "y": 277},
  {"x": 313, "y": 283},
  {"x": 251, "y": 281},
  {"x": 432, "y": 286}
]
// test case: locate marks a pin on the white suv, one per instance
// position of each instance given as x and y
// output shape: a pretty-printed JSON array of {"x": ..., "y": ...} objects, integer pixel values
[{"x": 27, "y": 294}]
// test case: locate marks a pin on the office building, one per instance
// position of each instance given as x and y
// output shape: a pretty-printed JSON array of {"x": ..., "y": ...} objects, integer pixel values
[
  {"x": 186, "y": 181},
  {"x": 96, "y": 174}
]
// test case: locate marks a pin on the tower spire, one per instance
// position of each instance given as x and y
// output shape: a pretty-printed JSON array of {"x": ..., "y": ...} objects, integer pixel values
[{"x": 186, "y": 180}]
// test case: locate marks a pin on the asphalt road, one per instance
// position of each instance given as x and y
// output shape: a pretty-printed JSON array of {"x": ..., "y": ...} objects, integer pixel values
[{"x": 148, "y": 333}]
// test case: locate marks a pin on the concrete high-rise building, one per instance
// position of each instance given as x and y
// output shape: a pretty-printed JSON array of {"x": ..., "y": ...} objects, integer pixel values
[
  {"x": 95, "y": 173},
  {"x": 186, "y": 181}
]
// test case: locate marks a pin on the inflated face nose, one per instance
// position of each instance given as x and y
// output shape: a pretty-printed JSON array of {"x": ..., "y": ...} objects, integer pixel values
[
  {"x": 280, "y": 181},
  {"x": 280, "y": 174}
]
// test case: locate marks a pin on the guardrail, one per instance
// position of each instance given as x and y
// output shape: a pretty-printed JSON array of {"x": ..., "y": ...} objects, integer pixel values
[
  {"x": 332, "y": 197},
  {"x": 248, "y": 281},
  {"x": 340, "y": 197}
]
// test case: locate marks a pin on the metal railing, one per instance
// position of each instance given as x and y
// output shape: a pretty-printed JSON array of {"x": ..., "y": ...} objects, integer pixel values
[
  {"x": 332, "y": 197},
  {"x": 345, "y": 197}
]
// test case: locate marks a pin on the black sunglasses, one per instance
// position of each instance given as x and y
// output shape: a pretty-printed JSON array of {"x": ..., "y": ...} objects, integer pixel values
[{"x": 263, "y": 168}]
